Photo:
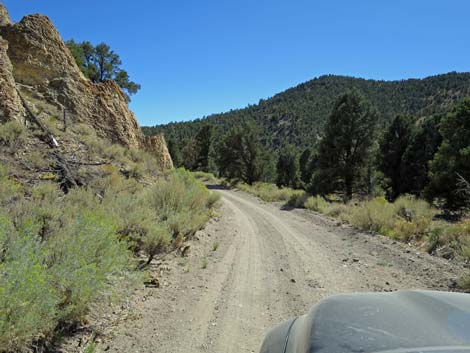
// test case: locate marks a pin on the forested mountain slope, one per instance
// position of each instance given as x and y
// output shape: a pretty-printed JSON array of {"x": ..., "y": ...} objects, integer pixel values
[{"x": 298, "y": 114}]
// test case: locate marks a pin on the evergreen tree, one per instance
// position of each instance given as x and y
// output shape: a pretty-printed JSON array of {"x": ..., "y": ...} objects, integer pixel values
[
  {"x": 191, "y": 154},
  {"x": 304, "y": 166},
  {"x": 241, "y": 155},
  {"x": 175, "y": 152},
  {"x": 395, "y": 141},
  {"x": 99, "y": 63},
  {"x": 288, "y": 167},
  {"x": 452, "y": 160},
  {"x": 344, "y": 150},
  {"x": 419, "y": 154},
  {"x": 204, "y": 141}
]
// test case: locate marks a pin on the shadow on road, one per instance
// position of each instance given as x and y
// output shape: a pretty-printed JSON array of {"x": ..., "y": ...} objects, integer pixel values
[{"x": 217, "y": 187}]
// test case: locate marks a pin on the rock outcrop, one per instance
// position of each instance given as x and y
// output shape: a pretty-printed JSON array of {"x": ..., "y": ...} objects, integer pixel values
[
  {"x": 11, "y": 107},
  {"x": 157, "y": 146},
  {"x": 34, "y": 57},
  {"x": 49, "y": 77},
  {"x": 4, "y": 16}
]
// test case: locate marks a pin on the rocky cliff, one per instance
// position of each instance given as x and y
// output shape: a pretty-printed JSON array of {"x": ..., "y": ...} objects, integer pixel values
[{"x": 36, "y": 64}]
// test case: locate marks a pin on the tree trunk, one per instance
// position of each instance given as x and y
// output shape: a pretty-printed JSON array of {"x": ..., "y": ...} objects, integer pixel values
[{"x": 349, "y": 187}]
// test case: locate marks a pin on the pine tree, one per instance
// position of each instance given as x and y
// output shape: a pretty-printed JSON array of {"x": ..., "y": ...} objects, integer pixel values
[
  {"x": 419, "y": 154},
  {"x": 288, "y": 167},
  {"x": 204, "y": 140},
  {"x": 100, "y": 63},
  {"x": 241, "y": 155},
  {"x": 175, "y": 152},
  {"x": 395, "y": 141},
  {"x": 452, "y": 160},
  {"x": 344, "y": 150},
  {"x": 304, "y": 166}
]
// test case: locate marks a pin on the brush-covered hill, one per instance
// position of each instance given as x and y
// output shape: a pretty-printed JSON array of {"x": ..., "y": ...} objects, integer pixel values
[{"x": 299, "y": 113}]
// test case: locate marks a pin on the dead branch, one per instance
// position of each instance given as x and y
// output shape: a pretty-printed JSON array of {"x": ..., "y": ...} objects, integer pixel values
[
  {"x": 68, "y": 178},
  {"x": 463, "y": 186},
  {"x": 88, "y": 163},
  {"x": 33, "y": 118}
]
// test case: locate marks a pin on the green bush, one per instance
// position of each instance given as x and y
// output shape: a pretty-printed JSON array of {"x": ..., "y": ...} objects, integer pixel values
[
  {"x": 212, "y": 199},
  {"x": 317, "y": 204},
  {"x": 83, "y": 259},
  {"x": 57, "y": 256},
  {"x": 13, "y": 134},
  {"x": 298, "y": 199},
  {"x": 206, "y": 177},
  {"x": 268, "y": 192},
  {"x": 157, "y": 238},
  {"x": 59, "y": 253},
  {"x": 181, "y": 202},
  {"x": 337, "y": 210},
  {"x": 376, "y": 215},
  {"x": 28, "y": 299},
  {"x": 457, "y": 237},
  {"x": 413, "y": 209}
]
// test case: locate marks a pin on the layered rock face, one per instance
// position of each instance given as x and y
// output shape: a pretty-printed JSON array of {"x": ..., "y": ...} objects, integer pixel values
[
  {"x": 34, "y": 56},
  {"x": 49, "y": 76},
  {"x": 11, "y": 107},
  {"x": 158, "y": 146},
  {"x": 4, "y": 16}
]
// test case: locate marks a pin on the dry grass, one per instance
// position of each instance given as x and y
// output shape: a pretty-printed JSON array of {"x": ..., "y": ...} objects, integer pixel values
[{"x": 269, "y": 192}]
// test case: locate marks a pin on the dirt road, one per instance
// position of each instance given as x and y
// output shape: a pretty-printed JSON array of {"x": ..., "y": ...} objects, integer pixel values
[{"x": 258, "y": 265}]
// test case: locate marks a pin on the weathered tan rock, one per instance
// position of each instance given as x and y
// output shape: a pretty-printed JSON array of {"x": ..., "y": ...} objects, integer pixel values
[
  {"x": 157, "y": 146},
  {"x": 4, "y": 16},
  {"x": 35, "y": 58},
  {"x": 49, "y": 77},
  {"x": 11, "y": 107}
]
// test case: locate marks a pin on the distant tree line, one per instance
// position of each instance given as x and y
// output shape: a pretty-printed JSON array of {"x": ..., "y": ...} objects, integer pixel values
[
  {"x": 354, "y": 156},
  {"x": 298, "y": 115}
]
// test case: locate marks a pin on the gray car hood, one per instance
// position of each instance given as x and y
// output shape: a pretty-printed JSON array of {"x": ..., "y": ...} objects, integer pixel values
[{"x": 411, "y": 321}]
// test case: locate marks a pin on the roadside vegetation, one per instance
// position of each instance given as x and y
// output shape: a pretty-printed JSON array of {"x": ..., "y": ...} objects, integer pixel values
[
  {"x": 407, "y": 219},
  {"x": 64, "y": 250},
  {"x": 404, "y": 176}
]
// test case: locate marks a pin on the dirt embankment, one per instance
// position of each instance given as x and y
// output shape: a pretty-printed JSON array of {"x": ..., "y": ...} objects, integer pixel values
[{"x": 271, "y": 264}]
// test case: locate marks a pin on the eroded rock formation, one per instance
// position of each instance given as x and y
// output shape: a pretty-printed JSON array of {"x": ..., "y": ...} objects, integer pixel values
[
  {"x": 34, "y": 57},
  {"x": 157, "y": 145},
  {"x": 11, "y": 107}
]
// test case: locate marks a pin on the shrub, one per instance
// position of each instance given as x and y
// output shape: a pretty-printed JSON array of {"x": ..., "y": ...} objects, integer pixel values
[
  {"x": 181, "y": 202},
  {"x": 337, "y": 210},
  {"x": 376, "y": 215},
  {"x": 317, "y": 204},
  {"x": 212, "y": 199},
  {"x": 206, "y": 177},
  {"x": 298, "y": 199},
  {"x": 413, "y": 218},
  {"x": 28, "y": 300},
  {"x": 83, "y": 258},
  {"x": 412, "y": 209},
  {"x": 10, "y": 190},
  {"x": 268, "y": 192},
  {"x": 157, "y": 238},
  {"x": 13, "y": 134},
  {"x": 457, "y": 237}
]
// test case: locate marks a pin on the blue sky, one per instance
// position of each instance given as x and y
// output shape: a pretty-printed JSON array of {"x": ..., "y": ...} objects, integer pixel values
[{"x": 194, "y": 58}]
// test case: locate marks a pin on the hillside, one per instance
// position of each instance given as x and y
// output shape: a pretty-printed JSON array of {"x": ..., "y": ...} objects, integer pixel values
[{"x": 298, "y": 113}]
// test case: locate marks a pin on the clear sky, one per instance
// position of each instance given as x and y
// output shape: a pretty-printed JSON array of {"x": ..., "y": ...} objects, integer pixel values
[{"x": 197, "y": 57}]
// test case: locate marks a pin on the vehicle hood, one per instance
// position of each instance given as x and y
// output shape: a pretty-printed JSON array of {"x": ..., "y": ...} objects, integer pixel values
[{"x": 410, "y": 321}]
